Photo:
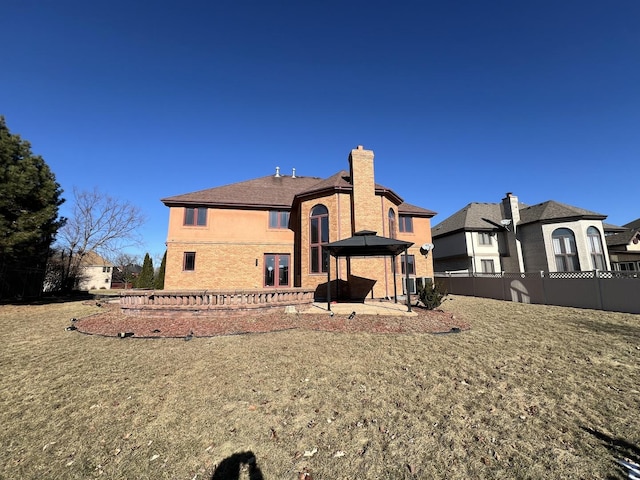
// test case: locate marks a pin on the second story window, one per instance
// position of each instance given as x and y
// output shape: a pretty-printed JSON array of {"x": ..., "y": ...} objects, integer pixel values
[
  {"x": 195, "y": 216},
  {"x": 392, "y": 223},
  {"x": 406, "y": 224},
  {"x": 564, "y": 248},
  {"x": 278, "y": 219},
  {"x": 484, "y": 238},
  {"x": 595, "y": 248}
]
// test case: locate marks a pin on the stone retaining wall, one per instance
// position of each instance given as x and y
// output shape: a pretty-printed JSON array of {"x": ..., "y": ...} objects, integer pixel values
[{"x": 208, "y": 302}]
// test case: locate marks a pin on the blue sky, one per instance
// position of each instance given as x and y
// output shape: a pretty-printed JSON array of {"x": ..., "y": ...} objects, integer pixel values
[{"x": 461, "y": 101}]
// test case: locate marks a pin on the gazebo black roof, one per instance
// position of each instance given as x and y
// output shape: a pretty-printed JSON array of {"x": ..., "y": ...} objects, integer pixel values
[{"x": 366, "y": 243}]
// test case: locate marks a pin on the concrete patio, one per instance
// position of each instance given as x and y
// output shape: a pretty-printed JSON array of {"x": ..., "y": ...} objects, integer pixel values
[{"x": 369, "y": 307}]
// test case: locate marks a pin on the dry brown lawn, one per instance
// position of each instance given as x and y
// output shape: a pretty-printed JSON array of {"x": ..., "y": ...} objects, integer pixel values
[{"x": 528, "y": 392}]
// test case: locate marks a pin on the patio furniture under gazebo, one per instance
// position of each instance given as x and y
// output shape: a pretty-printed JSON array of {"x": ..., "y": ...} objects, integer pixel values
[{"x": 366, "y": 243}]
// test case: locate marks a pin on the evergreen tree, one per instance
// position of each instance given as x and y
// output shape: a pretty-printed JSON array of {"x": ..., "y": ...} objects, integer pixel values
[
  {"x": 29, "y": 202},
  {"x": 145, "y": 279},
  {"x": 159, "y": 280}
]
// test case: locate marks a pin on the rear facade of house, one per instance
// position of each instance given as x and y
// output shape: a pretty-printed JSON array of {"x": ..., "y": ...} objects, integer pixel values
[{"x": 269, "y": 233}]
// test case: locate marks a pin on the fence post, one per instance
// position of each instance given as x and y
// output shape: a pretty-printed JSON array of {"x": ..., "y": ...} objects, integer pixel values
[
  {"x": 544, "y": 290},
  {"x": 596, "y": 276}
]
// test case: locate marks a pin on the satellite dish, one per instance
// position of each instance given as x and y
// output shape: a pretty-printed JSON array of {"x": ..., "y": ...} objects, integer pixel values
[{"x": 426, "y": 248}]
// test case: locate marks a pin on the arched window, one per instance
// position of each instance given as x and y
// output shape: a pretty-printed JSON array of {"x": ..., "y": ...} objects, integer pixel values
[
  {"x": 392, "y": 223},
  {"x": 595, "y": 248},
  {"x": 564, "y": 248},
  {"x": 318, "y": 236}
]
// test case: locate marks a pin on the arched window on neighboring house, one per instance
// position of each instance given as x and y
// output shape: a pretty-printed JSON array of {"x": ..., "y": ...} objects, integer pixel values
[
  {"x": 595, "y": 249},
  {"x": 564, "y": 248},
  {"x": 392, "y": 223},
  {"x": 318, "y": 236}
]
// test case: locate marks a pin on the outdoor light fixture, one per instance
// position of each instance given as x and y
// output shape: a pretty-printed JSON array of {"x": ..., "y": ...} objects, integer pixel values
[{"x": 426, "y": 248}]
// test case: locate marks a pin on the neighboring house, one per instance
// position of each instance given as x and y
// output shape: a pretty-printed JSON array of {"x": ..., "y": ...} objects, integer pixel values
[
  {"x": 95, "y": 272},
  {"x": 269, "y": 232},
  {"x": 124, "y": 276},
  {"x": 624, "y": 247},
  {"x": 513, "y": 237}
]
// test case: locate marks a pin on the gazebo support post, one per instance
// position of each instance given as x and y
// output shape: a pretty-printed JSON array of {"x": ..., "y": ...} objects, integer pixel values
[
  {"x": 406, "y": 271},
  {"x": 393, "y": 272},
  {"x": 328, "y": 282}
]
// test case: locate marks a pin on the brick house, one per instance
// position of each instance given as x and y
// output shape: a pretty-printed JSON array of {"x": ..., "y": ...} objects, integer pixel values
[
  {"x": 513, "y": 237},
  {"x": 269, "y": 232}
]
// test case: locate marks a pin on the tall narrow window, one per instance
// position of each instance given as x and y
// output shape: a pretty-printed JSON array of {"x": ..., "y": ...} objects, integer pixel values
[
  {"x": 319, "y": 236},
  {"x": 411, "y": 264},
  {"x": 488, "y": 266},
  {"x": 406, "y": 224},
  {"x": 189, "y": 261},
  {"x": 195, "y": 216},
  {"x": 276, "y": 270},
  {"x": 392, "y": 223},
  {"x": 484, "y": 238},
  {"x": 595, "y": 248},
  {"x": 278, "y": 219},
  {"x": 564, "y": 248}
]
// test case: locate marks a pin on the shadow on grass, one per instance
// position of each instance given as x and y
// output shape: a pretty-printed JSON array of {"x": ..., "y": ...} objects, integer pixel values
[
  {"x": 620, "y": 449},
  {"x": 609, "y": 328},
  {"x": 230, "y": 467},
  {"x": 49, "y": 299}
]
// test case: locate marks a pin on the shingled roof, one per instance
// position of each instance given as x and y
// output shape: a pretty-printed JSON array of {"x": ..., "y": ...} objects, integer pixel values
[
  {"x": 407, "y": 209},
  {"x": 475, "y": 217},
  {"x": 281, "y": 192},
  {"x": 622, "y": 238},
  {"x": 480, "y": 217},
  {"x": 270, "y": 191},
  {"x": 555, "y": 211},
  {"x": 635, "y": 225}
]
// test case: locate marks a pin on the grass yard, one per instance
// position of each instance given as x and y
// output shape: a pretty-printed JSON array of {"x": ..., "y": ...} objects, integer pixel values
[{"x": 529, "y": 392}]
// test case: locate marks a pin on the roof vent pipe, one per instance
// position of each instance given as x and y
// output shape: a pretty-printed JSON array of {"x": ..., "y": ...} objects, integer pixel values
[
  {"x": 293, "y": 175},
  {"x": 277, "y": 172}
]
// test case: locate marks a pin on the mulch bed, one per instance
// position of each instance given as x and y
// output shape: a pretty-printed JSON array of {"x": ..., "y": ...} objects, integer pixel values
[{"x": 113, "y": 323}]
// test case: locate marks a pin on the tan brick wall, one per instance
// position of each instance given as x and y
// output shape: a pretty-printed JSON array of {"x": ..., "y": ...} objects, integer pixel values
[{"x": 364, "y": 202}]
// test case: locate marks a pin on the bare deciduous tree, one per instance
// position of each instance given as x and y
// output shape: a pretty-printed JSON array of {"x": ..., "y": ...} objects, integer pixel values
[{"x": 98, "y": 223}]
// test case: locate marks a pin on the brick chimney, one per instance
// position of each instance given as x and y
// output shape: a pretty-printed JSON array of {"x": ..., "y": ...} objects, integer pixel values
[{"x": 364, "y": 208}]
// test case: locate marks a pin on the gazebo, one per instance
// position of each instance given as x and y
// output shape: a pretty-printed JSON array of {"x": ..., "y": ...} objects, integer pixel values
[{"x": 366, "y": 243}]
